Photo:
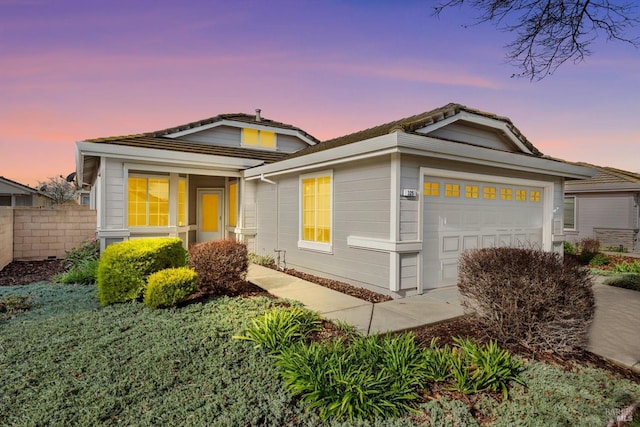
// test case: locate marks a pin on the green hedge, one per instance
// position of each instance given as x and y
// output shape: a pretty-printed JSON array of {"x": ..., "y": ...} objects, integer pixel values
[
  {"x": 169, "y": 287},
  {"x": 125, "y": 266}
]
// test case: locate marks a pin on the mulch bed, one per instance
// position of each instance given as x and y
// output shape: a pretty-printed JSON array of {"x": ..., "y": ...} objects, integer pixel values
[{"x": 26, "y": 272}]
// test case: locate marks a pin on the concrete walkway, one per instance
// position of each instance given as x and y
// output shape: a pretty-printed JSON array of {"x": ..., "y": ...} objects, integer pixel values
[
  {"x": 614, "y": 333},
  {"x": 431, "y": 307}
]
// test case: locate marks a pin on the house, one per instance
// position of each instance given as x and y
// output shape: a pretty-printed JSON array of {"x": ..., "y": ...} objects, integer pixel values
[
  {"x": 13, "y": 193},
  {"x": 388, "y": 208},
  {"x": 606, "y": 207}
]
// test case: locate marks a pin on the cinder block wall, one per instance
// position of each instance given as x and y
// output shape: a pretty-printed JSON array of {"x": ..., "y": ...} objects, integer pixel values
[
  {"x": 42, "y": 233},
  {"x": 6, "y": 236}
]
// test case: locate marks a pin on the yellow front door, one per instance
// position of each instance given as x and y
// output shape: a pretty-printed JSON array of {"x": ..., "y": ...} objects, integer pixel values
[{"x": 209, "y": 215}]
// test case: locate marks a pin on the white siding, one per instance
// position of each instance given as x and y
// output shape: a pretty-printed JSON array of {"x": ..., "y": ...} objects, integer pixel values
[
  {"x": 475, "y": 135},
  {"x": 115, "y": 206},
  {"x": 603, "y": 211},
  {"x": 227, "y": 136}
]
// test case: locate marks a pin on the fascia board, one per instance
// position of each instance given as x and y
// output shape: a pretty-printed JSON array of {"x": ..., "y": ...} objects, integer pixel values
[
  {"x": 584, "y": 187},
  {"x": 235, "y": 124},
  {"x": 433, "y": 147},
  {"x": 338, "y": 154},
  {"x": 479, "y": 120},
  {"x": 164, "y": 156}
]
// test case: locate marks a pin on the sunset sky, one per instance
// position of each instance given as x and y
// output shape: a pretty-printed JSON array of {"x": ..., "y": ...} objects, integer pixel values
[{"x": 78, "y": 69}]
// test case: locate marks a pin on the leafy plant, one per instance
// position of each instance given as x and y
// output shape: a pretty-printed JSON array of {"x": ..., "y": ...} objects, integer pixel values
[
  {"x": 625, "y": 281},
  {"x": 437, "y": 362},
  {"x": 627, "y": 267},
  {"x": 281, "y": 327},
  {"x": 569, "y": 248},
  {"x": 12, "y": 305},
  {"x": 169, "y": 287},
  {"x": 82, "y": 273},
  {"x": 264, "y": 260},
  {"x": 598, "y": 260},
  {"x": 88, "y": 251}
]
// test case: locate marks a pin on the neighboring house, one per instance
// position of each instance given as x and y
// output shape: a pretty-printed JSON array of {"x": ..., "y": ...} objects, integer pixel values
[
  {"x": 605, "y": 207},
  {"x": 13, "y": 193},
  {"x": 389, "y": 208}
]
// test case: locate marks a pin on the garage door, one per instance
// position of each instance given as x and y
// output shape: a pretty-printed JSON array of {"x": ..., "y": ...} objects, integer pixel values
[{"x": 461, "y": 214}]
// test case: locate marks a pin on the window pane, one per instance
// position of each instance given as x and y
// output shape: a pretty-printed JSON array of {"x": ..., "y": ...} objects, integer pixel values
[
  {"x": 267, "y": 139},
  {"x": 233, "y": 204},
  {"x": 249, "y": 137},
  {"x": 182, "y": 202},
  {"x": 569, "y": 212},
  {"x": 137, "y": 201},
  {"x": 316, "y": 209}
]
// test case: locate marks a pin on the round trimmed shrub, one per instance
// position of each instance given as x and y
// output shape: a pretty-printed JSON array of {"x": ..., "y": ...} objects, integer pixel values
[
  {"x": 169, "y": 287},
  {"x": 220, "y": 264},
  {"x": 528, "y": 296}
]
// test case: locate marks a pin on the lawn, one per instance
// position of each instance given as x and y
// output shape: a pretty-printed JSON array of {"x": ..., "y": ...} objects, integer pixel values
[{"x": 69, "y": 361}]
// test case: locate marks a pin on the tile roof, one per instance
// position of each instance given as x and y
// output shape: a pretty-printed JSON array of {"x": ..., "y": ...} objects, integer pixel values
[
  {"x": 411, "y": 125},
  {"x": 608, "y": 175},
  {"x": 26, "y": 187},
  {"x": 170, "y": 144}
]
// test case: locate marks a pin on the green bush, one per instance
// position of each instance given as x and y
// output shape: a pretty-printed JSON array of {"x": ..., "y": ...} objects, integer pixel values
[
  {"x": 626, "y": 281},
  {"x": 589, "y": 248},
  {"x": 371, "y": 377},
  {"x": 528, "y": 296},
  {"x": 170, "y": 286},
  {"x": 569, "y": 248},
  {"x": 599, "y": 260},
  {"x": 627, "y": 267},
  {"x": 88, "y": 251},
  {"x": 220, "y": 264},
  {"x": 82, "y": 273},
  {"x": 281, "y": 327},
  {"x": 125, "y": 266}
]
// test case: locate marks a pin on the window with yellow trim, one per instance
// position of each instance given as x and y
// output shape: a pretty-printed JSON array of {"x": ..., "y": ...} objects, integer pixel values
[
  {"x": 471, "y": 191},
  {"x": 521, "y": 195},
  {"x": 148, "y": 202},
  {"x": 182, "y": 202},
  {"x": 489, "y": 193},
  {"x": 316, "y": 211},
  {"x": 506, "y": 194},
  {"x": 233, "y": 203},
  {"x": 431, "y": 188},
  {"x": 452, "y": 190},
  {"x": 258, "y": 138},
  {"x": 534, "y": 196}
]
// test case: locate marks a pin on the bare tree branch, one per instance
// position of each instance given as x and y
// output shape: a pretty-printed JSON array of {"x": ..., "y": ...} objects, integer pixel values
[{"x": 552, "y": 32}]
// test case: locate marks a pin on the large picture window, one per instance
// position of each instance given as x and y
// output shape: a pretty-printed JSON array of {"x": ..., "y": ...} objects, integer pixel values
[
  {"x": 316, "y": 195},
  {"x": 570, "y": 212},
  {"x": 148, "y": 199}
]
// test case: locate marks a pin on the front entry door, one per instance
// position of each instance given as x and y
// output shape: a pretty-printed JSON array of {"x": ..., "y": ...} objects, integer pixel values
[{"x": 209, "y": 215}]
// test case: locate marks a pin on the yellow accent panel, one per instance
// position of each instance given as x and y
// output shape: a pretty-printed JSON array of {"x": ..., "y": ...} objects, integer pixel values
[
  {"x": 471, "y": 191},
  {"x": 210, "y": 203},
  {"x": 506, "y": 193},
  {"x": 534, "y": 196},
  {"x": 431, "y": 189},
  {"x": 233, "y": 204},
  {"x": 250, "y": 136},
  {"x": 316, "y": 209},
  {"x": 452, "y": 190},
  {"x": 490, "y": 193},
  {"x": 521, "y": 195},
  {"x": 267, "y": 139}
]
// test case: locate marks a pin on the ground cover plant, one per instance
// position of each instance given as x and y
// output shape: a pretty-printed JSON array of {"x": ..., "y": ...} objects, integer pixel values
[{"x": 625, "y": 281}]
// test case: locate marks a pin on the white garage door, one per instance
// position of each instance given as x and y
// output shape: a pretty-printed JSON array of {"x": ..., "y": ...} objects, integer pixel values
[{"x": 461, "y": 214}]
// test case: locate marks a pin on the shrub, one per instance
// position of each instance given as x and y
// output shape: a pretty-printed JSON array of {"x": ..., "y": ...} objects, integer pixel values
[
  {"x": 569, "y": 248},
  {"x": 627, "y": 267},
  {"x": 528, "y": 296},
  {"x": 125, "y": 266},
  {"x": 281, "y": 327},
  {"x": 375, "y": 376},
  {"x": 82, "y": 273},
  {"x": 169, "y": 287},
  {"x": 589, "y": 248},
  {"x": 220, "y": 264},
  {"x": 88, "y": 251},
  {"x": 599, "y": 260},
  {"x": 264, "y": 260},
  {"x": 626, "y": 281}
]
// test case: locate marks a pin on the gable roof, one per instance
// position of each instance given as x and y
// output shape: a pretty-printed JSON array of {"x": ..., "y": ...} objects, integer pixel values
[
  {"x": 18, "y": 185},
  {"x": 411, "y": 125},
  {"x": 607, "y": 175}
]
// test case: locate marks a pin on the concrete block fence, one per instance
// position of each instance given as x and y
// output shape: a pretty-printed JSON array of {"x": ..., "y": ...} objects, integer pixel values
[{"x": 44, "y": 233}]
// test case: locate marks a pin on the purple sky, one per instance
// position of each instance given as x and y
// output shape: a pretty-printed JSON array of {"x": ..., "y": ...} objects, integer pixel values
[{"x": 77, "y": 69}]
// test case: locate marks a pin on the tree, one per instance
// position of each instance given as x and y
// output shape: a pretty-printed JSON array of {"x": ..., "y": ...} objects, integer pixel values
[
  {"x": 59, "y": 189},
  {"x": 552, "y": 32}
]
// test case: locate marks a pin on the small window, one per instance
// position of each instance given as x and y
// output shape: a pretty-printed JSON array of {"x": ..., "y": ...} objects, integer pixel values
[
  {"x": 452, "y": 190},
  {"x": 521, "y": 195},
  {"x": 258, "y": 138},
  {"x": 490, "y": 193},
  {"x": 534, "y": 196},
  {"x": 471, "y": 191},
  {"x": 506, "y": 194},
  {"x": 431, "y": 189},
  {"x": 316, "y": 200},
  {"x": 570, "y": 212}
]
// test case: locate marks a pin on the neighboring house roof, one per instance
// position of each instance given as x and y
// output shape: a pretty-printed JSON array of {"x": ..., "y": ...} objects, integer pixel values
[
  {"x": 606, "y": 179},
  {"x": 24, "y": 188},
  {"x": 411, "y": 125}
]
